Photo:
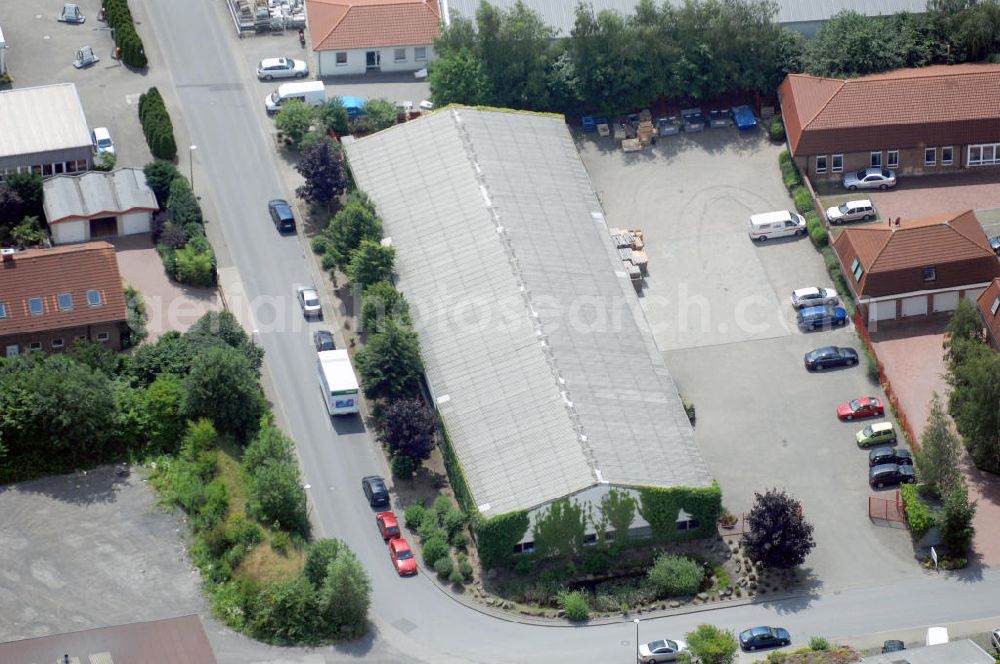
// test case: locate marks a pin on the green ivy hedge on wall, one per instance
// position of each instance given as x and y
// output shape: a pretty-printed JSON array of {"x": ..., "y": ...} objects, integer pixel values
[
  {"x": 660, "y": 507},
  {"x": 457, "y": 476},
  {"x": 918, "y": 516},
  {"x": 496, "y": 537}
]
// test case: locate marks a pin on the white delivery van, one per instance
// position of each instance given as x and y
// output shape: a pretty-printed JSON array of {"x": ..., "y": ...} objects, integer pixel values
[
  {"x": 937, "y": 636},
  {"x": 310, "y": 93},
  {"x": 337, "y": 380},
  {"x": 776, "y": 224}
]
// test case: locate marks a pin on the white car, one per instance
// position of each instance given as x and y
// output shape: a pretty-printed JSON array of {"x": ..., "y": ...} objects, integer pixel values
[
  {"x": 661, "y": 651},
  {"x": 309, "y": 301},
  {"x": 102, "y": 141},
  {"x": 814, "y": 297},
  {"x": 269, "y": 68},
  {"x": 851, "y": 211}
]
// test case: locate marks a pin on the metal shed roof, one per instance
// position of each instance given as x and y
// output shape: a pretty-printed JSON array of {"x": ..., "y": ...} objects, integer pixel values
[
  {"x": 536, "y": 349},
  {"x": 97, "y": 194},
  {"x": 49, "y": 117}
]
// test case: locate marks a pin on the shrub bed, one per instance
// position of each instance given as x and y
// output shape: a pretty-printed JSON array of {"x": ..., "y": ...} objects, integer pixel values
[
  {"x": 119, "y": 18},
  {"x": 776, "y": 130},
  {"x": 179, "y": 233},
  {"x": 918, "y": 515},
  {"x": 156, "y": 125}
]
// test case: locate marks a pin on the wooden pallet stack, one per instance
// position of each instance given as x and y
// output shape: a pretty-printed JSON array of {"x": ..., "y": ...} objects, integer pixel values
[{"x": 631, "y": 251}]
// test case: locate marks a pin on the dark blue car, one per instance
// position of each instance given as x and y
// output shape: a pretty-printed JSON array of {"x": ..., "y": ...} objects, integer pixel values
[
  {"x": 756, "y": 638},
  {"x": 815, "y": 318},
  {"x": 743, "y": 118}
]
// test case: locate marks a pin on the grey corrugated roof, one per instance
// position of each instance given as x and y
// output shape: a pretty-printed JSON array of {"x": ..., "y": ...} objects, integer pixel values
[
  {"x": 963, "y": 651},
  {"x": 49, "y": 117},
  {"x": 504, "y": 255},
  {"x": 561, "y": 14},
  {"x": 96, "y": 194}
]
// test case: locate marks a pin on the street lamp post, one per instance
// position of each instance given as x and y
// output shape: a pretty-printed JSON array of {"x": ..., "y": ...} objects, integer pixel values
[
  {"x": 636, "y": 621},
  {"x": 191, "y": 163}
]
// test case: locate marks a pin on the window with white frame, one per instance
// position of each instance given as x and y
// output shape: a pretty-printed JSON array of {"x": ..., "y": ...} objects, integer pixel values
[
  {"x": 35, "y": 345},
  {"x": 65, "y": 301},
  {"x": 94, "y": 297},
  {"x": 892, "y": 159},
  {"x": 35, "y": 306},
  {"x": 340, "y": 59},
  {"x": 838, "y": 163},
  {"x": 930, "y": 156},
  {"x": 821, "y": 164},
  {"x": 876, "y": 159},
  {"x": 985, "y": 154},
  {"x": 419, "y": 53},
  {"x": 57, "y": 343},
  {"x": 399, "y": 55},
  {"x": 947, "y": 155},
  {"x": 102, "y": 336}
]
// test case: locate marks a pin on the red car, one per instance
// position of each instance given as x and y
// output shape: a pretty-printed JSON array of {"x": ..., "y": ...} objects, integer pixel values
[
  {"x": 387, "y": 525},
  {"x": 861, "y": 407},
  {"x": 402, "y": 557}
]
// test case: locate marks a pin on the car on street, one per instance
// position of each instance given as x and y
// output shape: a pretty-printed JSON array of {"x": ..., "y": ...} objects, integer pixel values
[
  {"x": 896, "y": 455},
  {"x": 402, "y": 557},
  {"x": 995, "y": 244},
  {"x": 830, "y": 356},
  {"x": 813, "y": 296},
  {"x": 876, "y": 433},
  {"x": 323, "y": 340},
  {"x": 101, "y": 138},
  {"x": 816, "y": 318},
  {"x": 281, "y": 215},
  {"x": 861, "y": 210},
  {"x": 890, "y": 474},
  {"x": 869, "y": 178},
  {"x": 270, "y": 68},
  {"x": 664, "y": 650},
  {"x": 387, "y": 525},
  {"x": 309, "y": 301},
  {"x": 893, "y": 645},
  {"x": 756, "y": 638},
  {"x": 861, "y": 407},
  {"x": 375, "y": 491}
]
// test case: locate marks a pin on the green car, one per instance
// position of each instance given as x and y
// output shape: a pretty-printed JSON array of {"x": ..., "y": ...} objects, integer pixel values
[{"x": 879, "y": 433}]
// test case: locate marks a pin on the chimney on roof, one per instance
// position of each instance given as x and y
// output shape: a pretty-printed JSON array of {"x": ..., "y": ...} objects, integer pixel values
[
  {"x": 7, "y": 254},
  {"x": 898, "y": 219}
]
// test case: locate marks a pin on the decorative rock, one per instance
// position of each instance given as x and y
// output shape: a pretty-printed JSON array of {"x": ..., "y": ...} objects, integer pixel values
[
  {"x": 674, "y": 604},
  {"x": 703, "y": 597}
]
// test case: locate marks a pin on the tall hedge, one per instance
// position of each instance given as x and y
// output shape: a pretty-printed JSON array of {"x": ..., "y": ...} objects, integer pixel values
[
  {"x": 660, "y": 507},
  {"x": 496, "y": 537},
  {"x": 156, "y": 125},
  {"x": 119, "y": 17}
]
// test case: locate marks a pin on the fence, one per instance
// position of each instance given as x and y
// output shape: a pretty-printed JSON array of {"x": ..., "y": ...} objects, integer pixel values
[
  {"x": 904, "y": 423},
  {"x": 886, "y": 509}
]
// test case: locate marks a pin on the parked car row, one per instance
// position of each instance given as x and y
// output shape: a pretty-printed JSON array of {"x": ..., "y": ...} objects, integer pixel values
[
  {"x": 755, "y": 638},
  {"x": 400, "y": 553}
]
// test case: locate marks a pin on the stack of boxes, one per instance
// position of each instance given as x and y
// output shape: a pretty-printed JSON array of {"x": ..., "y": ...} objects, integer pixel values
[{"x": 631, "y": 252}]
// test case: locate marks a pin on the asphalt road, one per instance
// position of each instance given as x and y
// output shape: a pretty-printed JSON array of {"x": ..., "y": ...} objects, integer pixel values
[{"x": 412, "y": 619}]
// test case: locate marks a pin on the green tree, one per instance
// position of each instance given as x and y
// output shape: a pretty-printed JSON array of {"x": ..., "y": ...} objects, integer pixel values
[
  {"x": 182, "y": 204},
  {"x": 516, "y": 49},
  {"x": 965, "y": 327},
  {"x": 222, "y": 386},
  {"x": 11, "y": 206},
  {"x": 333, "y": 115},
  {"x": 28, "y": 187},
  {"x": 778, "y": 536},
  {"x": 370, "y": 263},
  {"x": 346, "y": 595},
  {"x": 278, "y": 497},
  {"x": 708, "y": 644},
  {"x": 172, "y": 353},
  {"x": 956, "y": 522},
  {"x": 28, "y": 233},
  {"x": 218, "y": 328},
  {"x": 938, "y": 456},
  {"x": 380, "y": 301},
  {"x": 381, "y": 113},
  {"x": 318, "y": 558},
  {"x": 294, "y": 120},
  {"x": 971, "y": 26},
  {"x": 618, "y": 509},
  {"x": 353, "y": 224},
  {"x": 560, "y": 529},
  {"x": 285, "y": 612},
  {"x": 407, "y": 427},
  {"x": 389, "y": 364},
  {"x": 164, "y": 398},
  {"x": 322, "y": 168},
  {"x": 974, "y": 404},
  {"x": 270, "y": 444},
  {"x": 611, "y": 71},
  {"x": 159, "y": 176},
  {"x": 458, "y": 78}
]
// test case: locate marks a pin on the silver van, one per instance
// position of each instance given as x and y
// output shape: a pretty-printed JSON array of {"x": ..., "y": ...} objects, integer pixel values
[
  {"x": 862, "y": 210},
  {"x": 776, "y": 224}
]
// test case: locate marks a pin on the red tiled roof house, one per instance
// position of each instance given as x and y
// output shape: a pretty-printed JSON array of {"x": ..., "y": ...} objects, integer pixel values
[
  {"x": 989, "y": 307},
  {"x": 939, "y": 119},
  {"x": 360, "y": 36},
  {"x": 921, "y": 267},
  {"x": 53, "y": 297}
]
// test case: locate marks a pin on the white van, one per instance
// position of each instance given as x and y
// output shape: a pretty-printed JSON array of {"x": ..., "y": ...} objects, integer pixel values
[
  {"x": 310, "y": 93},
  {"x": 776, "y": 224},
  {"x": 937, "y": 636}
]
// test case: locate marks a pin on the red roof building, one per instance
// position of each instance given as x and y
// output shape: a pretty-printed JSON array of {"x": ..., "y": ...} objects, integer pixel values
[
  {"x": 921, "y": 267},
  {"x": 938, "y": 119},
  {"x": 989, "y": 307},
  {"x": 361, "y": 36}
]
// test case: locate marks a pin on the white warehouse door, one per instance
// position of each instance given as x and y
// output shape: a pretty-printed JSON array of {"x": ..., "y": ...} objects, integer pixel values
[
  {"x": 915, "y": 306},
  {"x": 882, "y": 311},
  {"x": 946, "y": 301}
]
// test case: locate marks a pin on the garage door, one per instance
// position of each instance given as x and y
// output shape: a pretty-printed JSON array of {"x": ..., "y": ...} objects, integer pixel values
[
  {"x": 946, "y": 301},
  {"x": 882, "y": 311},
  {"x": 915, "y": 306}
]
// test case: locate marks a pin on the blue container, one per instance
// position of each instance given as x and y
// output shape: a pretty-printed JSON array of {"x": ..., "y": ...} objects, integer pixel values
[{"x": 588, "y": 123}]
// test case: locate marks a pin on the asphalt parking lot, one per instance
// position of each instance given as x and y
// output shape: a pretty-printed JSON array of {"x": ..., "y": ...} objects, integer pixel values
[{"x": 719, "y": 307}]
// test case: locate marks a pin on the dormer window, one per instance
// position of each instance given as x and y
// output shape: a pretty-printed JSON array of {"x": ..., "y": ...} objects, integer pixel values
[
  {"x": 35, "y": 306},
  {"x": 65, "y": 301},
  {"x": 3, "y": 310},
  {"x": 94, "y": 297}
]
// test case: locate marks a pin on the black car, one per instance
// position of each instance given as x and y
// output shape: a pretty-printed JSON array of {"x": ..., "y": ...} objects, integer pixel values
[
  {"x": 323, "y": 340},
  {"x": 890, "y": 474},
  {"x": 830, "y": 356},
  {"x": 375, "y": 491},
  {"x": 756, "y": 638},
  {"x": 884, "y": 455},
  {"x": 893, "y": 645},
  {"x": 281, "y": 215}
]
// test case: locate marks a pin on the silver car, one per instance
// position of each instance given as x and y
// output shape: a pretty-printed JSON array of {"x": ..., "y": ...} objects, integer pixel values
[
  {"x": 309, "y": 301},
  {"x": 813, "y": 296},
  {"x": 870, "y": 178},
  {"x": 661, "y": 651},
  {"x": 269, "y": 68},
  {"x": 862, "y": 210}
]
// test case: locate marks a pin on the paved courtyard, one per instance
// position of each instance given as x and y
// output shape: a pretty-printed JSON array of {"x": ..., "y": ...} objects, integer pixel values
[{"x": 719, "y": 307}]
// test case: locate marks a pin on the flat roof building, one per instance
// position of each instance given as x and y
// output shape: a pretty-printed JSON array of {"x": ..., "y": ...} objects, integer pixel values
[{"x": 44, "y": 130}]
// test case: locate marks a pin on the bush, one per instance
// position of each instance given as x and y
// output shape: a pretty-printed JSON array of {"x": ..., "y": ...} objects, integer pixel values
[
  {"x": 156, "y": 125},
  {"x": 575, "y": 605},
  {"x": 403, "y": 467},
  {"x": 818, "y": 643},
  {"x": 194, "y": 267},
  {"x": 790, "y": 175},
  {"x": 319, "y": 245},
  {"x": 280, "y": 542},
  {"x": 414, "y": 516},
  {"x": 675, "y": 576},
  {"x": 459, "y": 540},
  {"x": 689, "y": 409},
  {"x": 119, "y": 18},
  {"x": 456, "y": 577},
  {"x": 277, "y": 496},
  {"x": 173, "y": 236},
  {"x": 803, "y": 200},
  {"x": 817, "y": 231},
  {"x": 453, "y": 521},
  {"x": 328, "y": 262},
  {"x": 776, "y": 130},
  {"x": 464, "y": 567},
  {"x": 159, "y": 176},
  {"x": 434, "y": 549},
  {"x": 871, "y": 365},
  {"x": 318, "y": 558},
  {"x": 918, "y": 515},
  {"x": 444, "y": 566}
]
